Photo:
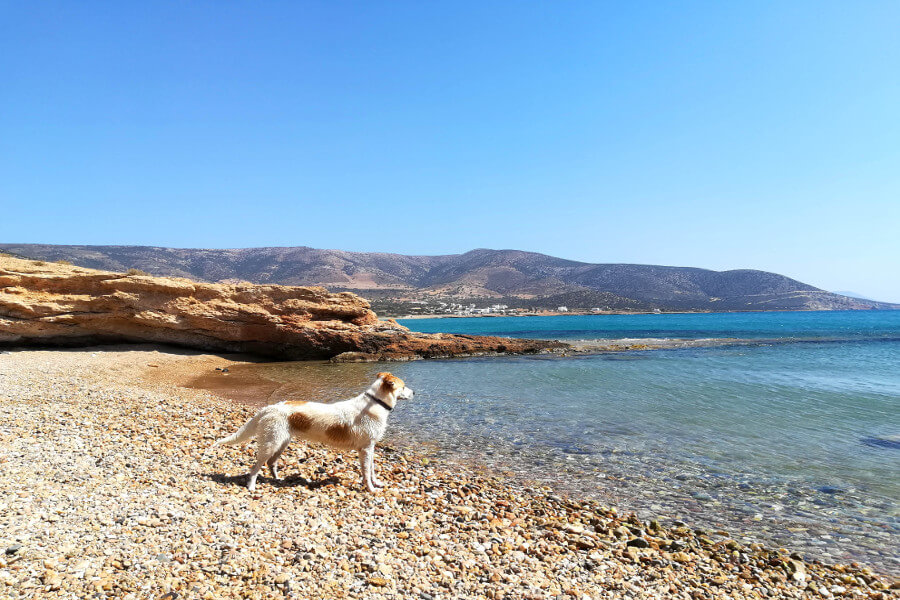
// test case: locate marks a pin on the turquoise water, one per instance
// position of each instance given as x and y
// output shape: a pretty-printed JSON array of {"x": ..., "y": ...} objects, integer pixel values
[
  {"x": 794, "y": 443},
  {"x": 790, "y": 325}
]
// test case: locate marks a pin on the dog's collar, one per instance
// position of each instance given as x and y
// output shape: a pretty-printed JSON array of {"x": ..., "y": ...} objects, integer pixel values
[{"x": 378, "y": 400}]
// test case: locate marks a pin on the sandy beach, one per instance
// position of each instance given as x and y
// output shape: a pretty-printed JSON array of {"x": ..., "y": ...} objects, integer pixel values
[{"x": 108, "y": 492}]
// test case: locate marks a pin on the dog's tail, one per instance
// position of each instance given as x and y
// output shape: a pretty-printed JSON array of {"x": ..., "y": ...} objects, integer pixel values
[{"x": 247, "y": 432}]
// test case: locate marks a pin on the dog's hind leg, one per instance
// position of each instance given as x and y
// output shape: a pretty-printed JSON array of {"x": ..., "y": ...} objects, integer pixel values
[
  {"x": 273, "y": 466},
  {"x": 268, "y": 448},
  {"x": 263, "y": 454},
  {"x": 254, "y": 472}
]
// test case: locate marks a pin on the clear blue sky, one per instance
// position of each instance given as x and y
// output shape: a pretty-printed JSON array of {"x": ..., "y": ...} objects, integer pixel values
[{"x": 720, "y": 135}]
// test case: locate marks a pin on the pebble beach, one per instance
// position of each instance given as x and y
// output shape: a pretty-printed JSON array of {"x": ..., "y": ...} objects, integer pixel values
[{"x": 108, "y": 490}]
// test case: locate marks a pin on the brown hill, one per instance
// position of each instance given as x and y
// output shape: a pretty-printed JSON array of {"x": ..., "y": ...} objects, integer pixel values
[{"x": 478, "y": 273}]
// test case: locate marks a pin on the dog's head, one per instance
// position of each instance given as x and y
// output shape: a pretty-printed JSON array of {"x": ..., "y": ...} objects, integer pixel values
[{"x": 393, "y": 385}]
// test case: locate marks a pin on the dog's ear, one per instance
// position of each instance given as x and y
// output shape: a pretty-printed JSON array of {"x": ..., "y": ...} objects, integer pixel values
[
  {"x": 390, "y": 382},
  {"x": 382, "y": 375}
]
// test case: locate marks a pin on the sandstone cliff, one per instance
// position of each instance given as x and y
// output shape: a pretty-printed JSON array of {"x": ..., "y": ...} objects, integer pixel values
[{"x": 58, "y": 304}]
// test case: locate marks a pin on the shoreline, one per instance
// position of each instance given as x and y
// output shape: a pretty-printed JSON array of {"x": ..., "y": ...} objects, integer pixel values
[
  {"x": 582, "y": 313},
  {"x": 552, "y": 313},
  {"x": 130, "y": 505},
  {"x": 751, "y": 506}
]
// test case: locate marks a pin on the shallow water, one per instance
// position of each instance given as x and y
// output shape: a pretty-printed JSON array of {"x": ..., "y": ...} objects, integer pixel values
[{"x": 795, "y": 445}]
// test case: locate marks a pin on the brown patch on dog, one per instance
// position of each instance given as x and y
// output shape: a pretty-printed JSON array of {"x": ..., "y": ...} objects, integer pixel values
[
  {"x": 391, "y": 381},
  {"x": 339, "y": 434},
  {"x": 295, "y": 402},
  {"x": 300, "y": 422}
]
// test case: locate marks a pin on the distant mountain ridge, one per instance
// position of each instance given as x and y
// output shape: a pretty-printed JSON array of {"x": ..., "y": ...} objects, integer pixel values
[{"x": 477, "y": 273}]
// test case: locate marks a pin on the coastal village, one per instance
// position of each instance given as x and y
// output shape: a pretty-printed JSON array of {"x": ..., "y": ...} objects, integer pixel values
[{"x": 439, "y": 308}]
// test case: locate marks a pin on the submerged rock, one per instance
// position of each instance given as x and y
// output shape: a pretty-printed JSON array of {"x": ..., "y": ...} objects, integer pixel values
[{"x": 892, "y": 442}]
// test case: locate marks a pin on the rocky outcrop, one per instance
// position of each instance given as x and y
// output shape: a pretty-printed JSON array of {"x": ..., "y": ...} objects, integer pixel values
[{"x": 57, "y": 304}]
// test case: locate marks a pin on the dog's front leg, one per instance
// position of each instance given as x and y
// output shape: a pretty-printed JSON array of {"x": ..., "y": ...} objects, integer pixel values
[
  {"x": 372, "y": 477},
  {"x": 365, "y": 463}
]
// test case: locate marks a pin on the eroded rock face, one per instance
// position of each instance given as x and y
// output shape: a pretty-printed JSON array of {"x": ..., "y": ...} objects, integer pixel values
[{"x": 54, "y": 304}]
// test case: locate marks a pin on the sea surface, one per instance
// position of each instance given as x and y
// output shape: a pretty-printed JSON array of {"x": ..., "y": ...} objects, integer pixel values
[
  {"x": 792, "y": 326},
  {"x": 792, "y": 440}
]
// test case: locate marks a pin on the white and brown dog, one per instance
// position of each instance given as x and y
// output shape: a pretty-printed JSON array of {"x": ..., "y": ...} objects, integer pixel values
[{"x": 354, "y": 424}]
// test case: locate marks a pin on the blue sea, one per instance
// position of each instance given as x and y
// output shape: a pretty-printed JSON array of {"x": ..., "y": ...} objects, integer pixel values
[
  {"x": 820, "y": 325},
  {"x": 792, "y": 439}
]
